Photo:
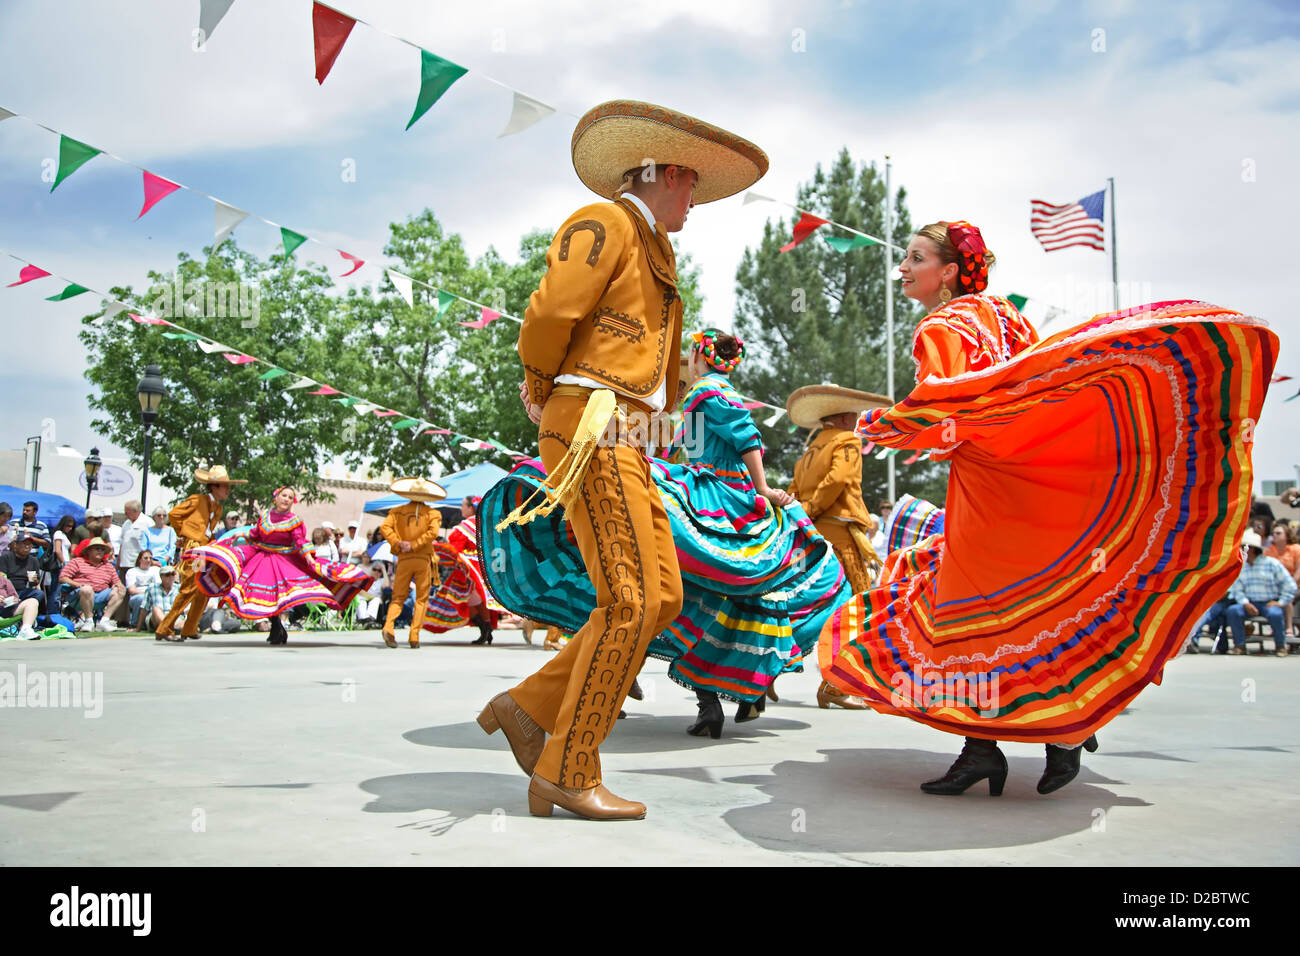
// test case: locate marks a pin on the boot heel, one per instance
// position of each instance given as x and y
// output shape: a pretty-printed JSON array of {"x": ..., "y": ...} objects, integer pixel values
[
  {"x": 996, "y": 783},
  {"x": 539, "y": 806},
  {"x": 488, "y": 721},
  {"x": 1091, "y": 744},
  {"x": 715, "y": 729}
]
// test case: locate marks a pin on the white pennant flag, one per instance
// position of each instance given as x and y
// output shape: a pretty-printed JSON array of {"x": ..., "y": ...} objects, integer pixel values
[
  {"x": 403, "y": 285},
  {"x": 525, "y": 112},
  {"x": 363, "y": 409},
  {"x": 301, "y": 383},
  {"x": 210, "y": 14},
  {"x": 213, "y": 347},
  {"x": 752, "y": 196},
  {"x": 226, "y": 218},
  {"x": 111, "y": 309},
  {"x": 5, "y": 114},
  {"x": 776, "y": 417}
]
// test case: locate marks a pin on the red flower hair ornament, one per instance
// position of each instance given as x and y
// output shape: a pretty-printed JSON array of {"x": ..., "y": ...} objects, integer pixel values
[{"x": 973, "y": 269}]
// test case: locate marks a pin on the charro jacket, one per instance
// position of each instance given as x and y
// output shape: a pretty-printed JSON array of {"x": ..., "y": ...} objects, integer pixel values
[
  {"x": 828, "y": 479},
  {"x": 195, "y": 518},
  {"x": 415, "y": 522},
  {"x": 607, "y": 308}
]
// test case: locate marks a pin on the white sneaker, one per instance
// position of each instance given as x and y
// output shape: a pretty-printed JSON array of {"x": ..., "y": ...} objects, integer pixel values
[
  {"x": 85, "y": 624},
  {"x": 27, "y": 634},
  {"x": 106, "y": 625}
]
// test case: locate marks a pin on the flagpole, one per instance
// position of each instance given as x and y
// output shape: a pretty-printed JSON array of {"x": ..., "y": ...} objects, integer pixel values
[
  {"x": 1114, "y": 258},
  {"x": 889, "y": 307}
]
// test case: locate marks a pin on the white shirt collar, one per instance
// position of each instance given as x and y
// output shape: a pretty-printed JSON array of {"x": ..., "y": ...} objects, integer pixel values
[{"x": 641, "y": 207}]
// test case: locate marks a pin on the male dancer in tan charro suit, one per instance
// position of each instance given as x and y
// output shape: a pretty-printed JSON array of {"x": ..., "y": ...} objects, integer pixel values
[{"x": 607, "y": 318}]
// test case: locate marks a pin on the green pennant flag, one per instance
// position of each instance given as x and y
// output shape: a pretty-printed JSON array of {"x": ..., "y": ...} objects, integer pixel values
[
  {"x": 792, "y": 428},
  {"x": 292, "y": 240},
  {"x": 846, "y": 243},
  {"x": 445, "y": 299},
  {"x": 274, "y": 373},
  {"x": 497, "y": 445},
  {"x": 72, "y": 156},
  {"x": 405, "y": 423},
  {"x": 1018, "y": 301},
  {"x": 459, "y": 438},
  {"x": 71, "y": 290},
  {"x": 436, "y": 77},
  {"x": 181, "y": 336},
  {"x": 347, "y": 402}
]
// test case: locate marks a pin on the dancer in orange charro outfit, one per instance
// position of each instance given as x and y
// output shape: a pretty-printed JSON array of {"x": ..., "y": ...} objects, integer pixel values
[
  {"x": 410, "y": 531},
  {"x": 605, "y": 327}
]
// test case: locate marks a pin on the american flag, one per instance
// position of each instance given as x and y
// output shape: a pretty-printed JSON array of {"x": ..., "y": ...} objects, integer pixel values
[{"x": 1074, "y": 224}]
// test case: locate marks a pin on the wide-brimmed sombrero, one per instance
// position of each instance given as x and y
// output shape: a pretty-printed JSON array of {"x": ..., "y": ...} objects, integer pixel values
[
  {"x": 807, "y": 406},
  {"x": 216, "y": 475},
  {"x": 620, "y": 135},
  {"x": 417, "y": 489}
]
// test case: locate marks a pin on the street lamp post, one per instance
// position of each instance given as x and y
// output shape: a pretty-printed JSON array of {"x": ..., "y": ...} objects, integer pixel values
[
  {"x": 151, "y": 391},
  {"x": 92, "y": 473}
]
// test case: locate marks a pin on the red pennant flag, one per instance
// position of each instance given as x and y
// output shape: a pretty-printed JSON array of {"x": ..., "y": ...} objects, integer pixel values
[
  {"x": 438, "y": 431},
  {"x": 915, "y": 456},
  {"x": 351, "y": 258},
  {"x": 27, "y": 274},
  {"x": 384, "y": 413},
  {"x": 753, "y": 405},
  {"x": 147, "y": 320},
  {"x": 234, "y": 359},
  {"x": 330, "y": 31},
  {"x": 155, "y": 188},
  {"x": 486, "y": 318},
  {"x": 325, "y": 390},
  {"x": 1280, "y": 378},
  {"x": 803, "y": 229}
]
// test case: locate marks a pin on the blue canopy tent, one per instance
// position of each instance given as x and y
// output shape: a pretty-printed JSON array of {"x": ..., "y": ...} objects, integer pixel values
[
  {"x": 49, "y": 508},
  {"x": 472, "y": 481}
]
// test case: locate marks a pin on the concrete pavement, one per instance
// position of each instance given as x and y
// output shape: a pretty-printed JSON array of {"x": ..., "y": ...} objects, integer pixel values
[{"x": 335, "y": 750}]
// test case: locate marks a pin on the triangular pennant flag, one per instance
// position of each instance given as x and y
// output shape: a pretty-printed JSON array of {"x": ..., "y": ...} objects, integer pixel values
[
  {"x": 273, "y": 373},
  {"x": 72, "y": 156},
  {"x": 404, "y": 423},
  {"x": 847, "y": 243},
  {"x": 486, "y": 318},
  {"x": 445, "y": 299},
  {"x": 303, "y": 382},
  {"x": 776, "y": 417},
  {"x": 1292, "y": 398},
  {"x": 364, "y": 409},
  {"x": 358, "y": 263},
  {"x": 752, "y": 196},
  {"x": 69, "y": 291},
  {"x": 882, "y": 453},
  {"x": 803, "y": 229},
  {"x": 292, "y": 240},
  {"x": 5, "y": 114},
  {"x": 438, "y": 431},
  {"x": 1280, "y": 378},
  {"x": 325, "y": 390},
  {"x": 436, "y": 77},
  {"x": 915, "y": 456},
  {"x": 27, "y": 274},
  {"x": 498, "y": 446},
  {"x": 225, "y": 219},
  {"x": 234, "y": 359},
  {"x": 155, "y": 188},
  {"x": 471, "y": 445},
  {"x": 210, "y": 14},
  {"x": 213, "y": 347},
  {"x": 866, "y": 449},
  {"x": 330, "y": 31},
  {"x": 403, "y": 285},
  {"x": 1018, "y": 301},
  {"x": 385, "y": 413},
  {"x": 181, "y": 336},
  {"x": 347, "y": 402},
  {"x": 525, "y": 112},
  {"x": 751, "y": 405},
  {"x": 150, "y": 320},
  {"x": 111, "y": 309}
]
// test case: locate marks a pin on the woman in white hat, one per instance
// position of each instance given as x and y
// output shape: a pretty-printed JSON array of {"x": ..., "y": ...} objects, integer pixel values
[{"x": 1093, "y": 512}]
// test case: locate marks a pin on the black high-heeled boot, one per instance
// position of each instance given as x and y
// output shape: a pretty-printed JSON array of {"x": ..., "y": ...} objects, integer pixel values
[
  {"x": 979, "y": 759},
  {"x": 484, "y": 632},
  {"x": 278, "y": 634},
  {"x": 751, "y": 709},
  {"x": 709, "y": 720},
  {"x": 1062, "y": 767}
]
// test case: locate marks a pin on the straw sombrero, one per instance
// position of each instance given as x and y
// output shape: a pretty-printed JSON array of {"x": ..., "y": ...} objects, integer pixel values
[
  {"x": 807, "y": 406},
  {"x": 622, "y": 134},
  {"x": 216, "y": 475},
  {"x": 417, "y": 489}
]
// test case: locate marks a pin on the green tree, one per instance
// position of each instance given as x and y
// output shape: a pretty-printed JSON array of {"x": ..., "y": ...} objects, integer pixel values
[
  {"x": 814, "y": 315},
  {"x": 219, "y": 413}
]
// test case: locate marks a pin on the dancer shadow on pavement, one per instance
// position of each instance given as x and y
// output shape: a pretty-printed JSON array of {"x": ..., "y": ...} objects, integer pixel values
[{"x": 457, "y": 796}]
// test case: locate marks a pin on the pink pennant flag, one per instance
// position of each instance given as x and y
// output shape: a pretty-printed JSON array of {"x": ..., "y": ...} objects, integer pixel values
[
  {"x": 915, "y": 457},
  {"x": 351, "y": 258},
  {"x": 753, "y": 405},
  {"x": 385, "y": 413},
  {"x": 27, "y": 274},
  {"x": 487, "y": 317},
  {"x": 325, "y": 390},
  {"x": 438, "y": 431},
  {"x": 234, "y": 359},
  {"x": 155, "y": 188},
  {"x": 866, "y": 449},
  {"x": 147, "y": 319}
]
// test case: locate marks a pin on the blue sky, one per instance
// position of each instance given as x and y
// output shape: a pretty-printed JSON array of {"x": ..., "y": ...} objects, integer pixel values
[{"x": 981, "y": 107}]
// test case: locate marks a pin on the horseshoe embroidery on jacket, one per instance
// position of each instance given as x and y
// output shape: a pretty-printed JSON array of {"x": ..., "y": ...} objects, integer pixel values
[{"x": 597, "y": 230}]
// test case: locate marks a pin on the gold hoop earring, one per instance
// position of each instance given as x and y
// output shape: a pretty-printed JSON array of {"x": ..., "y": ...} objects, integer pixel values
[{"x": 944, "y": 296}]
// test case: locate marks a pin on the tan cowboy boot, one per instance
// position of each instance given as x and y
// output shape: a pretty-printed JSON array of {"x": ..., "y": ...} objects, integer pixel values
[
  {"x": 525, "y": 737},
  {"x": 594, "y": 804},
  {"x": 828, "y": 694}
]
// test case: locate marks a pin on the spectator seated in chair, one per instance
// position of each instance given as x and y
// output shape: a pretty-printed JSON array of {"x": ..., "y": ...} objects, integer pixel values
[
  {"x": 138, "y": 581},
  {"x": 23, "y": 568},
  {"x": 1263, "y": 589},
  {"x": 97, "y": 585},
  {"x": 12, "y": 606},
  {"x": 161, "y": 595}
]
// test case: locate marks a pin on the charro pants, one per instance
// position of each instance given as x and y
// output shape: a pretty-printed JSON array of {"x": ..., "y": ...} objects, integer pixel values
[
  {"x": 190, "y": 600},
  {"x": 417, "y": 570},
  {"x": 846, "y": 550},
  {"x": 622, "y": 530}
]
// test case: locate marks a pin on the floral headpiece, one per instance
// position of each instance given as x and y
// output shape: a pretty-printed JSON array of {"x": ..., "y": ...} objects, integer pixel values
[
  {"x": 704, "y": 342},
  {"x": 275, "y": 494},
  {"x": 973, "y": 270}
]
